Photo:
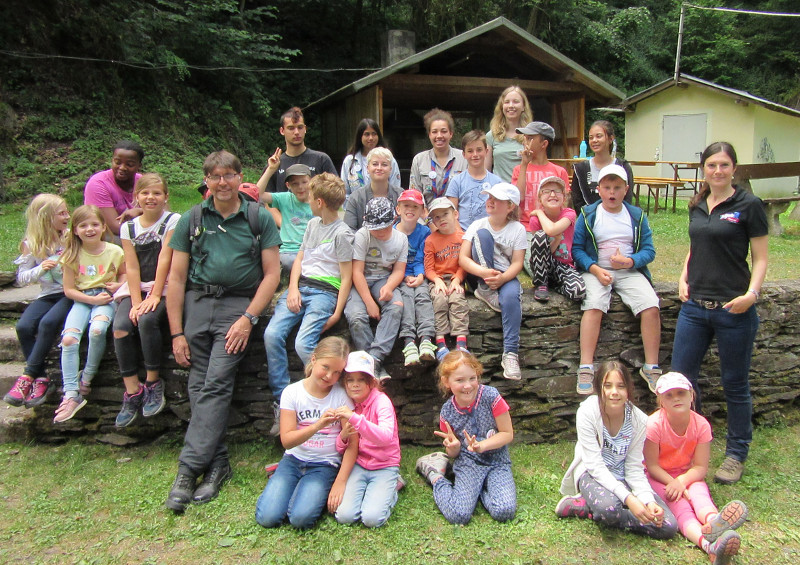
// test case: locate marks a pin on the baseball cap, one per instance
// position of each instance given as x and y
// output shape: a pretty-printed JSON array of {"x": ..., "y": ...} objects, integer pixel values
[
  {"x": 411, "y": 195},
  {"x": 379, "y": 214},
  {"x": 615, "y": 170},
  {"x": 360, "y": 362},
  {"x": 553, "y": 178},
  {"x": 298, "y": 170},
  {"x": 441, "y": 203},
  {"x": 538, "y": 128},
  {"x": 671, "y": 380},
  {"x": 504, "y": 191}
]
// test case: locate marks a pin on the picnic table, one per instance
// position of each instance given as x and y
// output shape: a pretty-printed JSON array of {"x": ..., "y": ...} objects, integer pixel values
[{"x": 774, "y": 206}]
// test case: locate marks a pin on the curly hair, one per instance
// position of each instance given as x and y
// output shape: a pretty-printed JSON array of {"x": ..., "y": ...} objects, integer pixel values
[{"x": 453, "y": 361}]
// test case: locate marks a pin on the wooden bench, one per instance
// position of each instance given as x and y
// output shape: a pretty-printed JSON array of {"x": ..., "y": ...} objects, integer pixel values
[
  {"x": 774, "y": 206},
  {"x": 655, "y": 185}
]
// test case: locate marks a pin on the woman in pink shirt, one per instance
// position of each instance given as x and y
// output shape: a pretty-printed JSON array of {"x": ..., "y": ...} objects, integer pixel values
[{"x": 371, "y": 491}]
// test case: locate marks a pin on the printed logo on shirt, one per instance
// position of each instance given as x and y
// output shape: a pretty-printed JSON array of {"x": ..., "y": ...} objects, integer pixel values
[
  {"x": 732, "y": 217},
  {"x": 617, "y": 449}
]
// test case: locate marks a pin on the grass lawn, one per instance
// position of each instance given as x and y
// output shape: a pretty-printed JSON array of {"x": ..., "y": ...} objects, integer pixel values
[
  {"x": 669, "y": 233},
  {"x": 81, "y": 503}
]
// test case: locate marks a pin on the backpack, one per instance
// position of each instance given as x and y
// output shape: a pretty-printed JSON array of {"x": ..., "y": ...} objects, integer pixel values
[
  {"x": 196, "y": 231},
  {"x": 147, "y": 251}
]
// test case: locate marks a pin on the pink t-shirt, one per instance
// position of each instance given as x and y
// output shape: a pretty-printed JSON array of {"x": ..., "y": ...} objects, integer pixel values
[
  {"x": 533, "y": 176},
  {"x": 563, "y": 252},
  {"x": 103, "y": 191},
  {"x": 675, "y": 452}
]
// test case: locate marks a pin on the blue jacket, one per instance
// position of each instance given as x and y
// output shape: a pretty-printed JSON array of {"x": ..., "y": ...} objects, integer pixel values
[{"x": 584, "y": 246}]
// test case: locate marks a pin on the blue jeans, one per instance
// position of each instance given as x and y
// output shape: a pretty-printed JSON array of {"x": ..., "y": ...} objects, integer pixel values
[
  {"x": 369, "y": 496},
  {"x": 735, "y": 334},
  {"x": 316, "y": 307},
  {"x": 38, "y": 328},
  {"x": 298, "y": 490},
  {"x": 380, "y": 343},
  {"x": 80, "y": 316},
  {"x": 509, "y": 294}
]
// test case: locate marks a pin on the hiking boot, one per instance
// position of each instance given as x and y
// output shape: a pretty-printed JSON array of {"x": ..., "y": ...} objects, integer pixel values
[
  {"x": 729, "y": 472},
  {"x": 411, "y": 354},
  {"x": 39, "y": 390},
  {"x": 68, "y": 408},
  {"x": 573, "y": 506},
  {"x": 732, "y": 515},
  {"x": 721, "y": 551},
  {"x": 154, "y": 401},
  {"x": 213, "y": 480},
  {"x": 275, "y": 430},
  {"x": 20, "y": 391},
  {"x": 427, "y": 351},
  {"x": 585, "y": 381},
  {"x": 180, "y": 495},
  {"x": 510, "y": 364},
  {"x": 432, "y": 464},
  {"x": 441, "y": 352},
  {"x": 131, "y": 404},
  {"x": 541, "y": 293},
  {"x": 488, "y": 297},
  {"x": 651, "y": 377}
]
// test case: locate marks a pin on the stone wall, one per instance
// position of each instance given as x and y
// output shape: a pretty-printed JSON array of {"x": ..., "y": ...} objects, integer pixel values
[{"x": 543, "y": 403}]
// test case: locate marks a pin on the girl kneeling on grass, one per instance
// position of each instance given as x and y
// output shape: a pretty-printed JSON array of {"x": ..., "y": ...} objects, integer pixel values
[
  {"x": 137, "y": 326},
  {"x": 311, "y": 471},
  {"x": 676, "y": 453},
  {"x": 371, "y": 491},
  {"x": 93, "y": 271},
  {"x": 606, "y": 480},
  {"x": 38, "y": 327},
  {"x": 475, "y": 427}
]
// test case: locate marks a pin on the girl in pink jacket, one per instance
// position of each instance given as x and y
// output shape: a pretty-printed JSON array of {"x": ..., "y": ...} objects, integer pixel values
[{"x": 371, "y": 491}]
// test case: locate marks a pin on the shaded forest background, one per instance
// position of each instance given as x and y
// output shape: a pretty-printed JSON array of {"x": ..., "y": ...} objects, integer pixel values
[{"x": 189, "y": 77}]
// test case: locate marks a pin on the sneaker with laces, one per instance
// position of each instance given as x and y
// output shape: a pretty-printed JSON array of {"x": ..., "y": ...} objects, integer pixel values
[
  {"x": 68, "y": 408},
  {"x": 441, "y": 353},
  {"x": 721, "y": 551},
  {"x": 432, "y": 464},
  {"x": 383, "y": 376},
  {"x": 20, "y": 391},
  {"x": 131, "y": 404},
  {"x": 462, "y": 349},
  {"x": 651, "y": 377},
  {"x": 573, "y": 506},
  {"x": 410, "y": 354},
  {"x": 275, "y": 430},
  {"x": 180, "y": 495},
  {"x": 212, "y": 481},
  {"x": 510, "y": 364},
  {"x": 488, "y": 297},
  {"x": 585, "y": 381},
  {"x": 39, "y": 390},
  {"x": 729, "y": 472},
  {"x": 154, "y": 401},
  {"x": 541, "y": 293},
  {"x": 427, "y": 351},
  {"x": 732, "y": 515}
]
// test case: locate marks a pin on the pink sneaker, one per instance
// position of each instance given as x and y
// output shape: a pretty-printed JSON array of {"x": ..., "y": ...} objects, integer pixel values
[
  {"x": 38, "y": 392},
  {"x": 19, "y": 392},
  {"x": 570, "y": 506},
  {"x": 68, "y": 408}
]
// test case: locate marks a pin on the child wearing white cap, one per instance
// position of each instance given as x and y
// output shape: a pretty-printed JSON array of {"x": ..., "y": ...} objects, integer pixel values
[
  {"x": 493, "y": 250},
  {"x": 677, "y": 451},
  {"x": 612, "y": 246}
]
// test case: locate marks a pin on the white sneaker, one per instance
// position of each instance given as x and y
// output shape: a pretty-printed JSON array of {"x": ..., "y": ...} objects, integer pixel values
[{"x": 510, "y": 364}]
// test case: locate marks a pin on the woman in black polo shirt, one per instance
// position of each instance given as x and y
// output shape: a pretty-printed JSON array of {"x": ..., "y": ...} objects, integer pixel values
[{"x": 719, "y": 293}]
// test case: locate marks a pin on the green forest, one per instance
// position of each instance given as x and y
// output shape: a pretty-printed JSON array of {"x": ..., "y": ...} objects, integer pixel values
[{"x": 185, "y": 77}]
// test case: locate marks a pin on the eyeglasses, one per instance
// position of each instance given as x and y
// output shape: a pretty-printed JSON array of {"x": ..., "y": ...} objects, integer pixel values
[
  {"x": 215, "y": 179},
  {"x": 549, "y": 191}
]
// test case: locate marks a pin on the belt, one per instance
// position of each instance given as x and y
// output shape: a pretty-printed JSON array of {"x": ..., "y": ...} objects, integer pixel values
[
  {"x": 710, "y": 304},
  {"x": 218, "y": 291}
]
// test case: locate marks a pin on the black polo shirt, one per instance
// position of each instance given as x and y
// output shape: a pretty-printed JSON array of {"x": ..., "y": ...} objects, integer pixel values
[{"x": 720, "y": 242}]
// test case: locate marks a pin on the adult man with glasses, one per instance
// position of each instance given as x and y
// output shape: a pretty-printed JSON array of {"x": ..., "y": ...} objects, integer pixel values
[
  {"x": 293, "y": 130},
  {"x": 225, "y": 270}
]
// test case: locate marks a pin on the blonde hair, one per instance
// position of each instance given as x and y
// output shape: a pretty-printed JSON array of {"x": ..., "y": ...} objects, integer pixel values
[
  {"x": 73, "y": 244},
  {"x": 150, "y": 179},
  {"x": 333, "y": 346},
  {"x": 498, "y": 124},
  {"x": 379, "y": 152},
  {"x": 513, "y": 215},
  {"x": 330, "y": 188},
  {"x": 453, "y": 361},
  {"x": 40, "y": 237}
]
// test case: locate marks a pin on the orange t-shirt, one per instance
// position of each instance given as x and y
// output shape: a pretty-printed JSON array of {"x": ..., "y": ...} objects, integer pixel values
[
  {"x": 676, "y": 452},
  {"x": 441, "y": 255}
]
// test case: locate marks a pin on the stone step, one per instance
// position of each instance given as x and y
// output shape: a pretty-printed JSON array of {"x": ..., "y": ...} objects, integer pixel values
[
  {"x": 13, "y": 300},
  {"x": 8, "y": 375},
  {"x": 9, "y": 345}
]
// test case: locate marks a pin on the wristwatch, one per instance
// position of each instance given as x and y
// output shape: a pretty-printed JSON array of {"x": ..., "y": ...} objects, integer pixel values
[{"x": 253, "y": 319}]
